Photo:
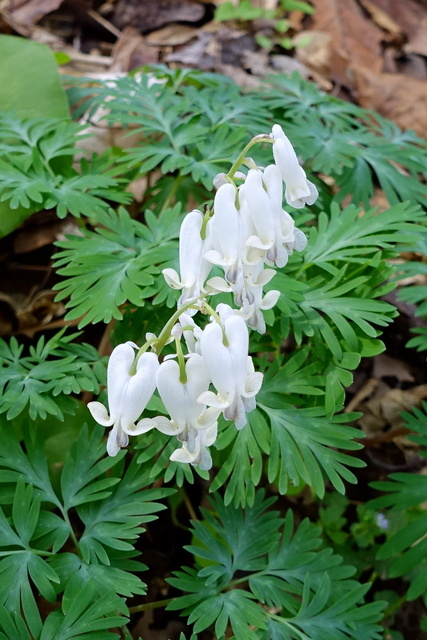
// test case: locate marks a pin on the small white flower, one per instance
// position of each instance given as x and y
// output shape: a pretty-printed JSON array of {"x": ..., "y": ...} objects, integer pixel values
[
  {"x": 382, "y": 522},
  {"x": 193, "y": 267},
  {"x": 199, "y": 454},
  {"x": 188, "y": 416},
  {"x": 299, "y": 190},
  {"x": 225, "y": 231},
  {"x": 260, "y": 210},
  {"x": 128, "y": 395},
  {"x": 230, "y": 367}
]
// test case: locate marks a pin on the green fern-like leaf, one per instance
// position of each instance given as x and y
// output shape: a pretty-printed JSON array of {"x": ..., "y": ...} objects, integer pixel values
[{"x": 117, "y": 263}]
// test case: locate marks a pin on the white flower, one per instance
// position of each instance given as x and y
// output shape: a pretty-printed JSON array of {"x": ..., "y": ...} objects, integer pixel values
[
  {"x": 260, "y": 210},
  {"x": 128, "y": 395},
  {"x": 299, "y": 190},
  {"x": 252, "y": 299},
  {"x": 193, "y": 267},
  {"x": 225, "y": 231},
  {"x": 188, "y": 416},
  {"x": 199, "y": 455},
  {"x": 230, "y": 367}
]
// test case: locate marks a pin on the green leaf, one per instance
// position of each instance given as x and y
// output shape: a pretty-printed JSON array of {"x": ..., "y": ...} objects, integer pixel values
[
  {"x": 253, "y": 558},
  {"x": 125, "y": 266},
  {"x": 32, "y": 382},
  {"x": 84, "y": 617},
  {"x": 29, "y": 69}
]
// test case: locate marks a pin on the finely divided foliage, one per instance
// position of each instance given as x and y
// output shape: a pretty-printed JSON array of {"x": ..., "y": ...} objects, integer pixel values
[{"x": 312, "y": 295}]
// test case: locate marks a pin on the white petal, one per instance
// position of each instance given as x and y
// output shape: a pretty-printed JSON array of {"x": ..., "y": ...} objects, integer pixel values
[
  {"x": 217, "y": 284},
  {"x": 215, "y": 258},
  {"x": 300, "y": 240},
  {"x": 143, "y": 426},
  {"x": 118, "y": 369},
  {"x": 257, "y": 243},
  {"x": 270, "y": 299},
  {"x": 253, "y": 384},
  {"x": 183, "y": 455},
  {"x": 272, "y": 179},
  {"x": 212, "y": 400},
  {"x": 264, "y": 277},
  {"x": 190, "y": 247},
  {"x": 172, "y": 278},
  {"x": 218, "y": 361},
  {"x": 100, "y": 414},
  {"x": 139, "y": 390},
  {"x": 225, "y": 224},
  {"x": 209, "y": 417},
  {"x": 260, "y": 207},
  {"x": 117, "y": 439},
  {"x": 168, "y": 427},
  {"x": 172, "y": 391}
]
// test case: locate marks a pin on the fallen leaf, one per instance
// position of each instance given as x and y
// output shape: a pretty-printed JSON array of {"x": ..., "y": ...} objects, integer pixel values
[
  {"x": 384, "y": 412},
  {"x": 384, "y": 366},
  {"x": 239, "y": 76},
  {"x": 408, "y": 14},
  {"x": 316, "y": 52},
  {"x": 381, "y": 18},
  {"x": 131, "y": 51},
  {"x": 398, "y": 97},
  {"x": 418, "y": 44},
  {"x": 172, "y": 35},
  {"x": 287, "y": 65},
  {"x": 153, "y": 14},
  {"x": 30, "y": 12},
  {"x": 355, "y": 39},
  {"x": 196, "y": 53}
]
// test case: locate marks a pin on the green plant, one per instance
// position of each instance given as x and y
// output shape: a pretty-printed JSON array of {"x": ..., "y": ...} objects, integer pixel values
[{"x": 71, "y": 518}]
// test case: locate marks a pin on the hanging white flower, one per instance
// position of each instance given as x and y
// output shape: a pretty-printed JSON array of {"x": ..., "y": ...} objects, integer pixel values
[
  {"x": 193, "y": 267},
  {"x": 251, "y": 298},
  {"x": 187, "y": 415},
  {"x": 230, "y": 367},
  {"x": 128, "y": 395},
  {"x": 287, "y": 237},
  {"x": 299, "y": 190},
  {"x": 225, "y": 232},
  {"x": 198, "y": 454}
]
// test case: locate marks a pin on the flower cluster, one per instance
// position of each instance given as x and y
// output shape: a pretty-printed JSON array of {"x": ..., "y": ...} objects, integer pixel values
[{"x": 246, "y": 231}]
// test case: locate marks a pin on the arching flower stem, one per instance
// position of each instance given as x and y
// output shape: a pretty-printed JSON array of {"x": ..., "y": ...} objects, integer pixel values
[
  {"x": 217, "y": 317},
  {"x": 263, "y": 137}
]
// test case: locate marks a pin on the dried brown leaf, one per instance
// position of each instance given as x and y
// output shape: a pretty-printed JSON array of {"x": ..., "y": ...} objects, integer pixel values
[
  {"x": 394, "y": 95},
  {"x": 153, "y": 14},
  {"x": 355, "y": 38}
]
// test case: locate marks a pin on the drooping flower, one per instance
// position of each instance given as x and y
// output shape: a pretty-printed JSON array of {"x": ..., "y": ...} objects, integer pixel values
[
  {"x": 251, "y": 298},
  {"x": 128, "y": 395},
  {"x": 225, "y": 232},
  {"x": 199, "y": 454},
  {"x": 299, "y": 190},
  {"x": 188, "y": 417},
  {"x": 194, "y": 269},
  {"x": 230, "y": 368}
]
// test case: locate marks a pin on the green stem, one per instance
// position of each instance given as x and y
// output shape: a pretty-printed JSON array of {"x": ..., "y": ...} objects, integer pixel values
[
  {"x": 142, "y": 350},
  {"x": 36, "y": 552},
  {"x": 181, "y": 362},
  {"x": 166, "y": 331},
  {"x": 72, "y": 534},
  {"x": 261, "y": 138},
  {"x": 393, "y": 607},
  {"x": 285, "y": 622},
  {"x": 217, "y": 317},
  {"x": 150, "y": 605},
  {"x": 171, "y": 194}
]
